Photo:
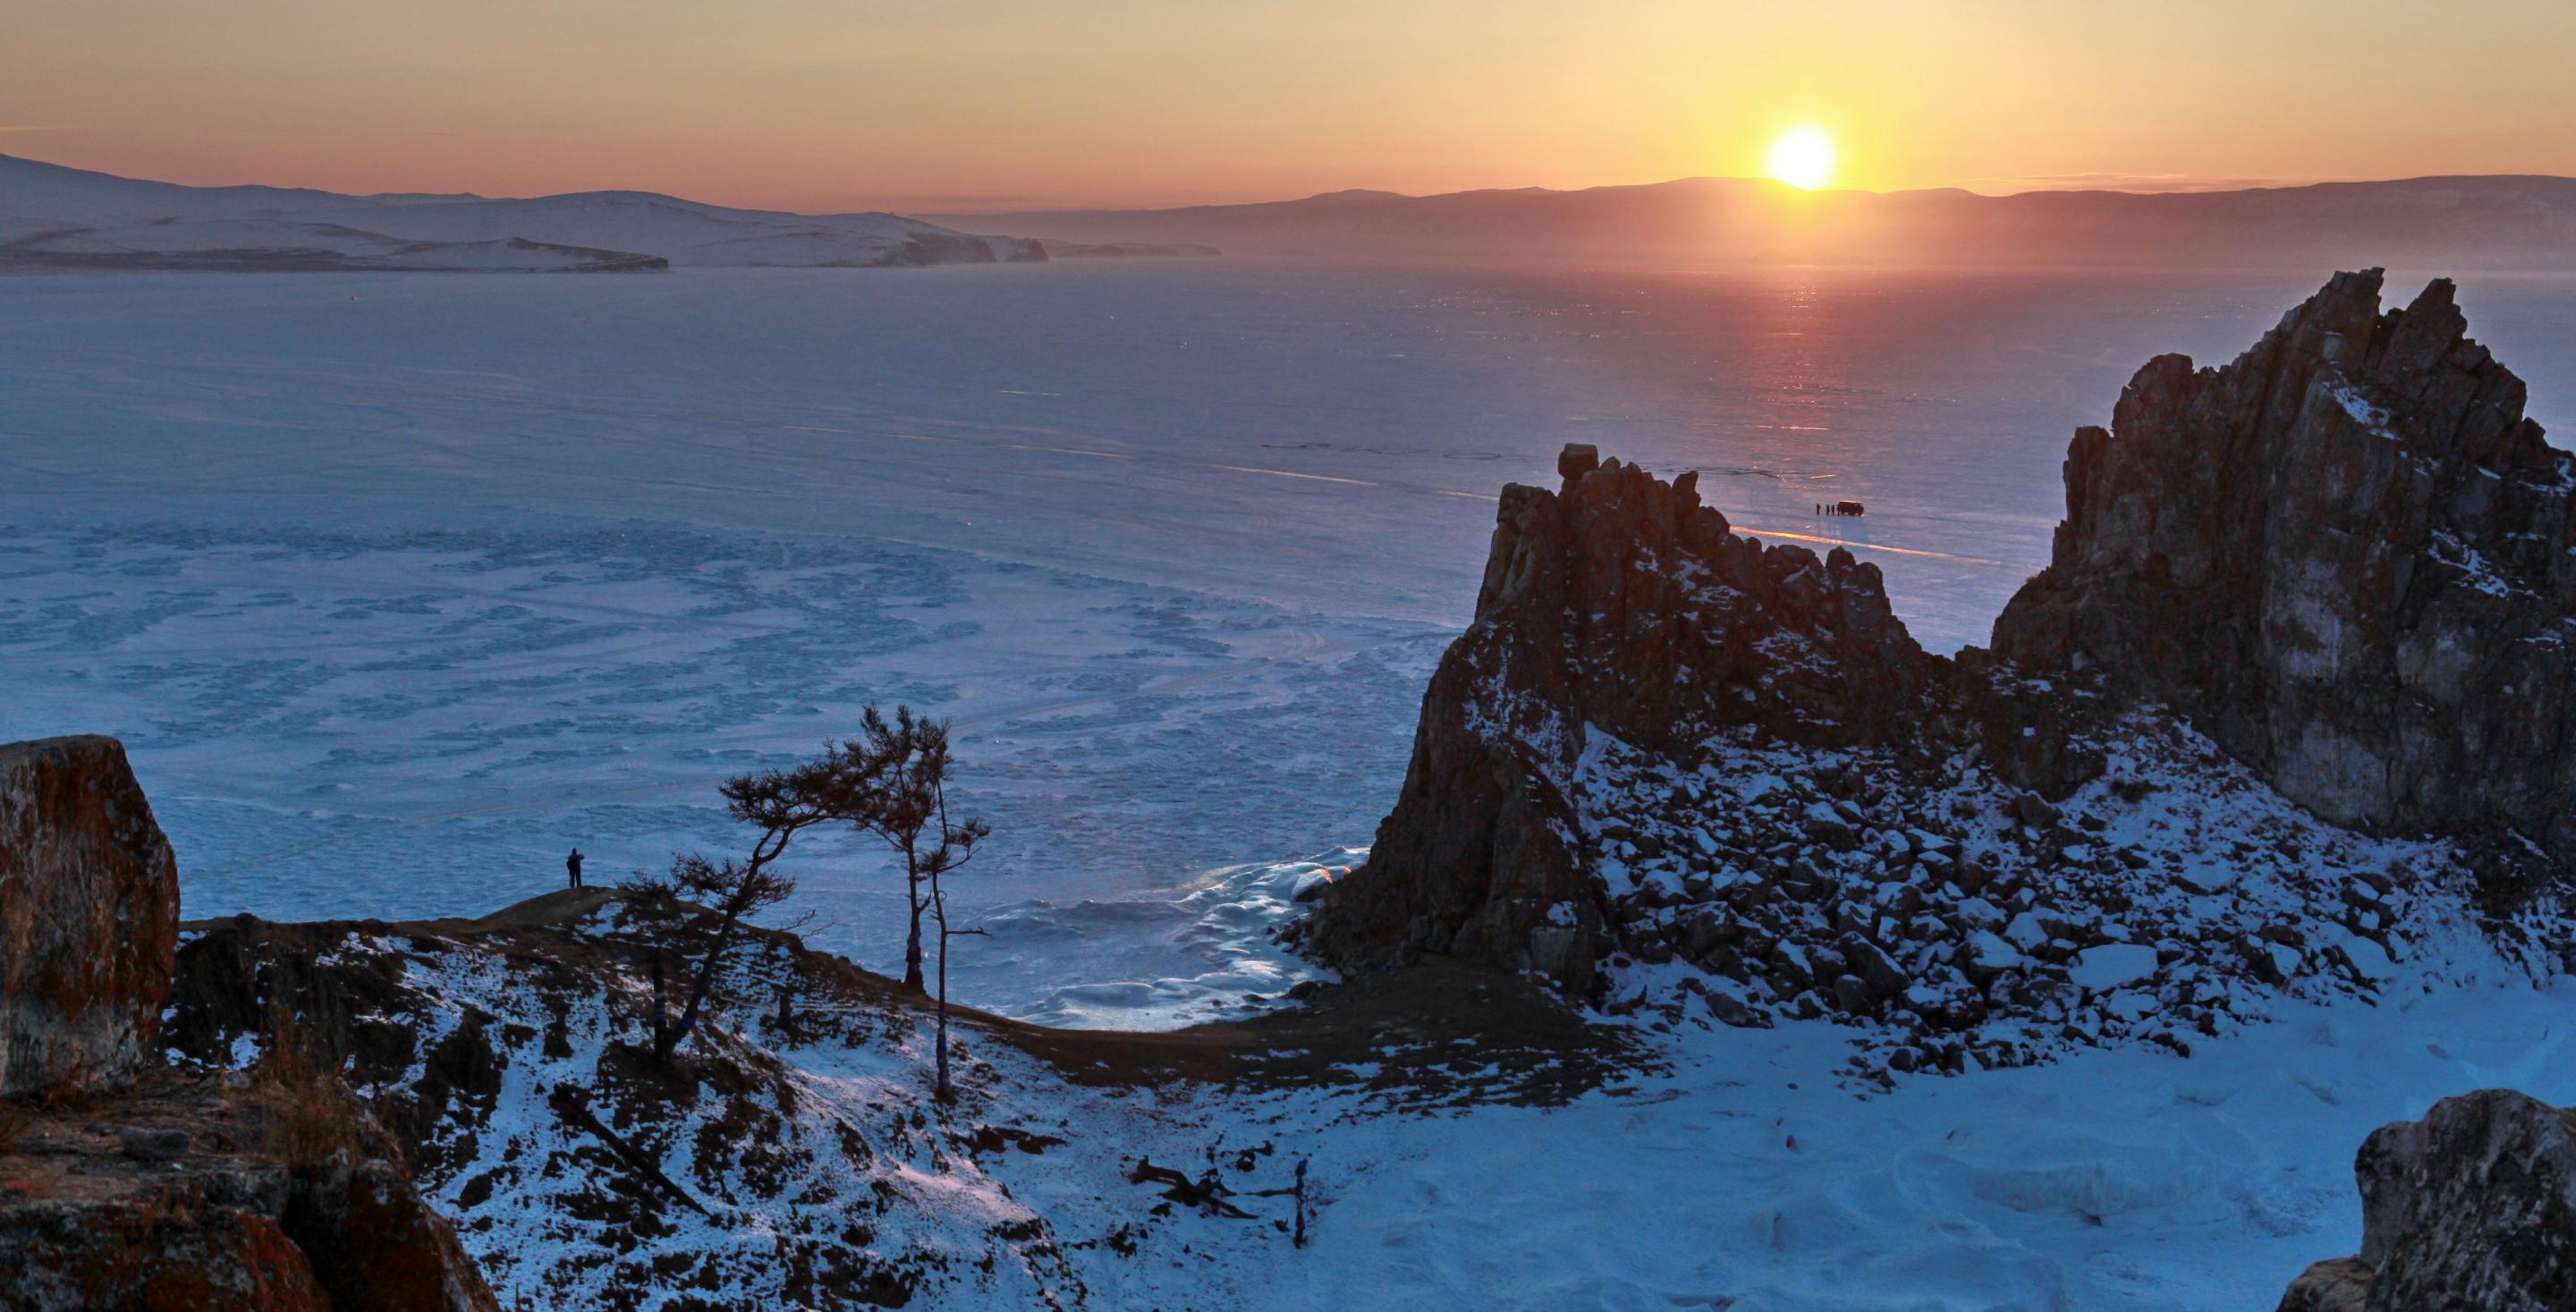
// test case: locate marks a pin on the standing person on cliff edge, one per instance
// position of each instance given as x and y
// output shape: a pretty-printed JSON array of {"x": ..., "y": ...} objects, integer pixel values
[{"x": 572, "y": 867}]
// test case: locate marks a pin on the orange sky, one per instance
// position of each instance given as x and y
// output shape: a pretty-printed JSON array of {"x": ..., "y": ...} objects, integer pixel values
[{"x": 993, "y": 104}]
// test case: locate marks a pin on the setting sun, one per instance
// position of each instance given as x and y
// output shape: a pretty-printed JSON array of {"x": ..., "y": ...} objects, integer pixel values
[{"x": 1802, "y": 157}]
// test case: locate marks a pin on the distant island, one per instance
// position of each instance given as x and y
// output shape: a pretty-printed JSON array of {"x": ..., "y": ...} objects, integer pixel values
[
  {"x": 57, "y": 218},
  {"x": 62, "y": 218}
]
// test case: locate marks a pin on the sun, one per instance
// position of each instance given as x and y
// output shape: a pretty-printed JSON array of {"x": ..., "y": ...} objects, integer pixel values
[{"x": 1803, "y": 157}]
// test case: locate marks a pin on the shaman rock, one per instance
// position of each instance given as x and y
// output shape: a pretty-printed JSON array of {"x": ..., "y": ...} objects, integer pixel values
[{"x": 2345, "y": 557}]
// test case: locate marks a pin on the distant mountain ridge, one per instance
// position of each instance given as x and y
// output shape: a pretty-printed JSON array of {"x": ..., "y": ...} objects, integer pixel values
[
  {"x": 52, "y": 216},
  {"x": 2485, "y": 222}
]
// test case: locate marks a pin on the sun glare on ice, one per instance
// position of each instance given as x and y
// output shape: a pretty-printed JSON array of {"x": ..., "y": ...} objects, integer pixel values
[{"x": 1803, "y": 157}]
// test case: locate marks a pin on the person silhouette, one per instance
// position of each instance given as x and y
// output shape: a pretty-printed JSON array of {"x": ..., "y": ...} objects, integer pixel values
[{"x": 572, "y": 866}]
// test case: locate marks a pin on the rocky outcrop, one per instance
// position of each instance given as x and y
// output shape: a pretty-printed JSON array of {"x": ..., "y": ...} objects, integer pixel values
[
  {"x": 2346, "y": 561},
  {"x": 2471, "y": 1209},
  {"x": 89, "y": 918},
  {"x": 126, "y": 1183},
  {"x": 2345, "y": 557},
  {"x": 1616, "y": 609},
  {"x": 193, "y": 1191}
]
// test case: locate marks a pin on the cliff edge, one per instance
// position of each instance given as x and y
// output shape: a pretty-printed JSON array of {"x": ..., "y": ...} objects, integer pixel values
[{"x": 89, "y": 918}]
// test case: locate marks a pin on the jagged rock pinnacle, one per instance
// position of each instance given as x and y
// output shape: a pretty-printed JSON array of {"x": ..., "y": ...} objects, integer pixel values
[{"x": 2345, "y": 557}]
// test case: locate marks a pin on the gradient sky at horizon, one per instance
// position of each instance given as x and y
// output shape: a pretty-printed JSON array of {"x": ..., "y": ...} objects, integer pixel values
[{"x": 978, "y": 105}]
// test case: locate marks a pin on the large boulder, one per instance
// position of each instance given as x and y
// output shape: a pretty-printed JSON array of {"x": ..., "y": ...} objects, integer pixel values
[
  {"x": 89, "y": 918},
  {"x": 2471, "y": 1209},
  {"x": 1616, "y": 607},
  {"x": 2345, "y": 557}
]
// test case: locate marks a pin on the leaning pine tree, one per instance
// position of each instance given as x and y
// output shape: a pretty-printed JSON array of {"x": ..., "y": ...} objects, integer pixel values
[
  {"x": 701, "y": 906},
  {"x": 899, "y": 774}
]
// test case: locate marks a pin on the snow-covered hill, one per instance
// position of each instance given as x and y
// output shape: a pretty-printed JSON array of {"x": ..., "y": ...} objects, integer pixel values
[
  {"x": 1467, "y": 1139},
  {"x": 690, "y": 234},
  {"x": 33, "y": 192},
  {"x": 51, "y": 216}
]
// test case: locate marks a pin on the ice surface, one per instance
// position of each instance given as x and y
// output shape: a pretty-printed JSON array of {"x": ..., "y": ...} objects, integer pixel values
[{"x": 398, "y": 587}]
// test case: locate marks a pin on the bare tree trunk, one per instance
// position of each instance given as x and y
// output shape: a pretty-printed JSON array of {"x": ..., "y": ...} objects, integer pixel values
[
  {"x": 661, "y": 1013},
  {"x": 698, "y": 988},
  {"x": 939, "y": 907},
  {"x": 912, "y": 945}
]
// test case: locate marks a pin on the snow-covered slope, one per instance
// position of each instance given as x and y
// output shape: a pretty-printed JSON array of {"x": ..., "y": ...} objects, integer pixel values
[
  {"x": 805, "y": 1162},
  {"x": 1465, "y": 1140},
  {"x": 59, "y": 217},
  {"x": 36, "y": 196}
]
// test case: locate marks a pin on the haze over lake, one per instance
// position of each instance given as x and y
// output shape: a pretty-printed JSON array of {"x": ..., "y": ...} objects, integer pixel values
[{"x": 398, "y": 586}]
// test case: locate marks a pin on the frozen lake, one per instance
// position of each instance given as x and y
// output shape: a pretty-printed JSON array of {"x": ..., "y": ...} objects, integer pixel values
[{"x": 399, "y": 586}]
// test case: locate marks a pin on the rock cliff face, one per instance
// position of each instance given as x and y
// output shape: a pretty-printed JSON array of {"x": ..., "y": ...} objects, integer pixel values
[
  {"x": 1615, "y": 609},
  {"x": 2472, "y": 1208},
  {"x": 89, "y": 918},
  {"x": 2345, "y": 557}
]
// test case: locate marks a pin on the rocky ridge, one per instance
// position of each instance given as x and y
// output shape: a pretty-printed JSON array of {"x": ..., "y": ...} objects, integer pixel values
[{"x": 1667, "y": 760}]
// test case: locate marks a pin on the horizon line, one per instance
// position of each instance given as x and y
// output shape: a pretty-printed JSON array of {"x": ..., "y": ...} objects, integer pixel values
[{"x": 2177, "y": 188}]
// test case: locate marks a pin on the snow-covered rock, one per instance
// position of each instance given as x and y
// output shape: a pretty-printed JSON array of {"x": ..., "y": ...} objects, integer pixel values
[
  {"x": 2036, "y": 829},
  {"x": 2113, "y": 965}
]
